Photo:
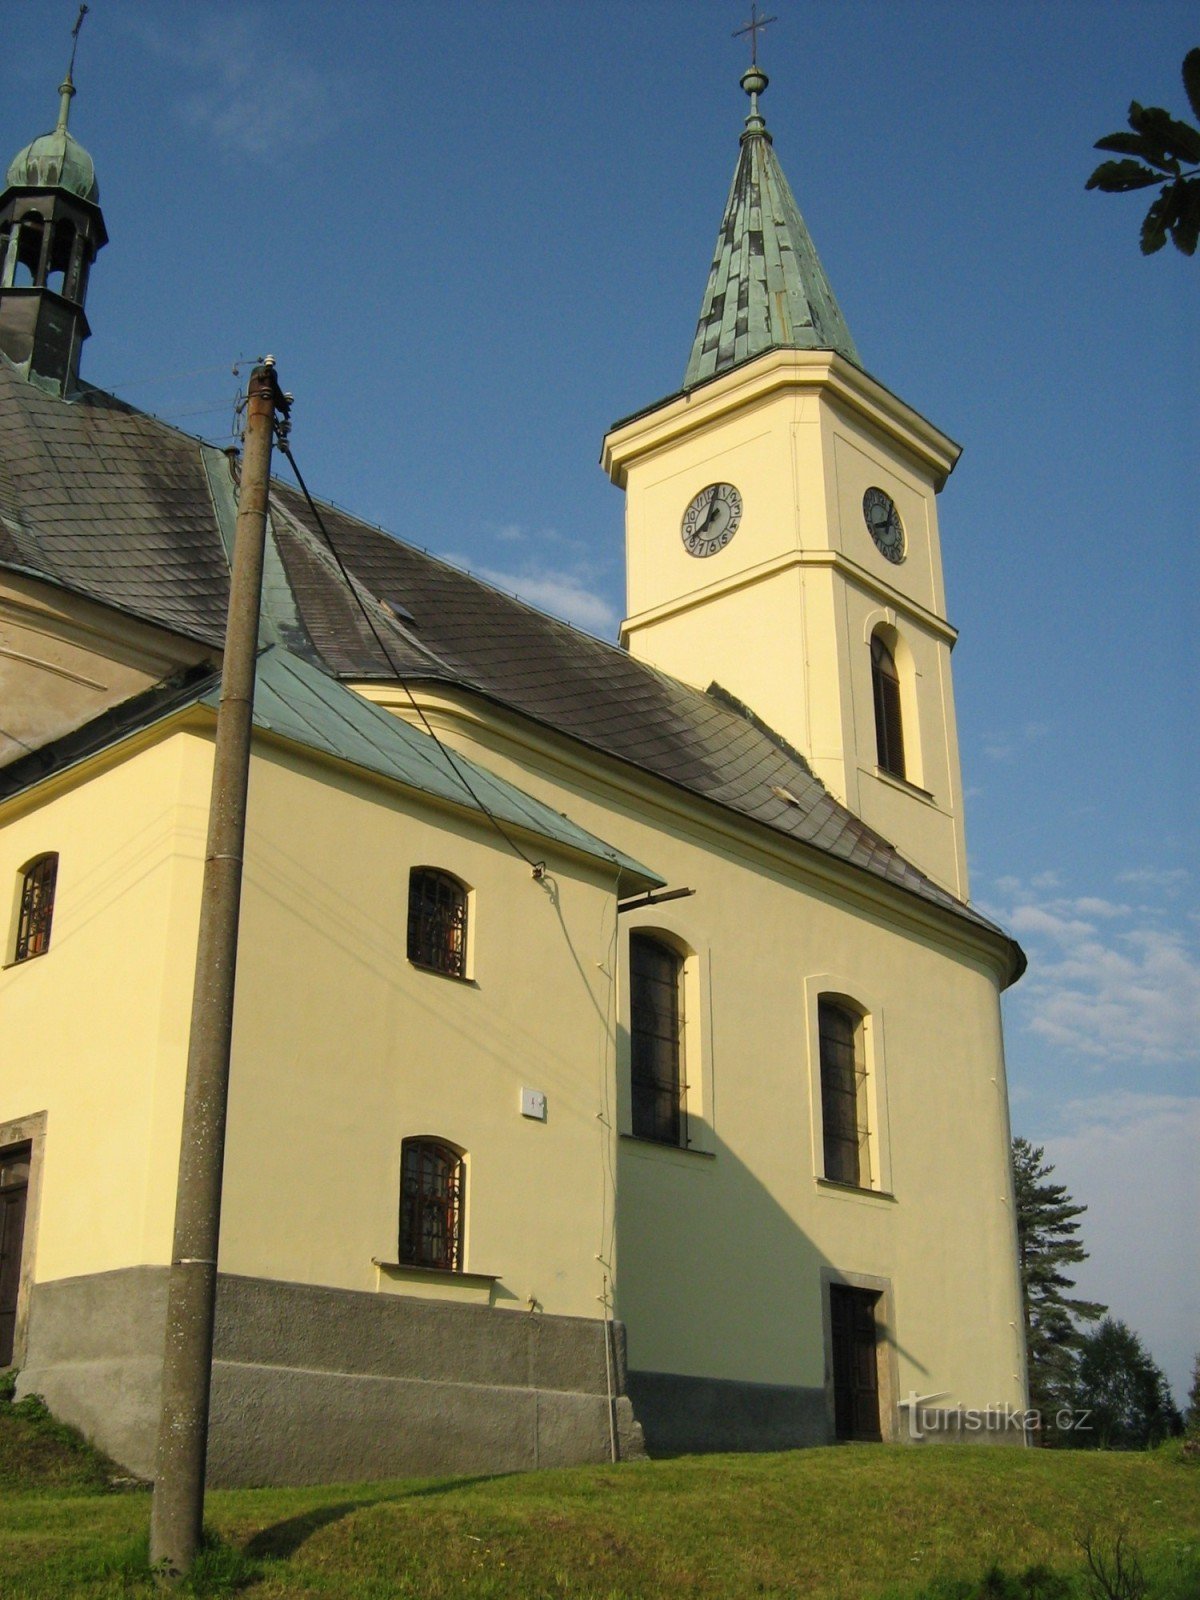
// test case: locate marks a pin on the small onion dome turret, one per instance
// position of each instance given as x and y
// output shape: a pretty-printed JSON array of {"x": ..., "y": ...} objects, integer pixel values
[{"x": 56, "y": 160}]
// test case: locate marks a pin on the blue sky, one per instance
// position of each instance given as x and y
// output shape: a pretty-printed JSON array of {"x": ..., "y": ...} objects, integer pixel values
[{"x": 475, "y": 236}]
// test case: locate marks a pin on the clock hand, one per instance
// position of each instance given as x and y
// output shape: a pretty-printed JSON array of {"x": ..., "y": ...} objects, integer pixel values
[{"x": 712, "y": 510}]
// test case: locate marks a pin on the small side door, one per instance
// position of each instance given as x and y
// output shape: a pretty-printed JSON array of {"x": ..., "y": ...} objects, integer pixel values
[{"x": 14, "y": 1193}]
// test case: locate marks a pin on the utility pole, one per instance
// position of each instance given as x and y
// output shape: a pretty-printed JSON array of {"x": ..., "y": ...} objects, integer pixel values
[{"x": 177, "y": 1513}]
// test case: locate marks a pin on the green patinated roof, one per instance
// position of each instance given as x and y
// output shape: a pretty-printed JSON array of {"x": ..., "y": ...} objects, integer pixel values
[
  {"x": 56, "y": 160},
  {"x": 766, "y": 287},
  {"x": 300, "y": 703}
]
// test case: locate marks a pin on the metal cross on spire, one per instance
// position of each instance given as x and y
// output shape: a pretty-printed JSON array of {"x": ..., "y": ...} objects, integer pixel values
[{"x": 753, "y": 28}]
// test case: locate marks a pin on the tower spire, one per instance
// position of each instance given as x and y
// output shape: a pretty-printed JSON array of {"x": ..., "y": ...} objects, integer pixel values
[{"x": 766, "y": 287}]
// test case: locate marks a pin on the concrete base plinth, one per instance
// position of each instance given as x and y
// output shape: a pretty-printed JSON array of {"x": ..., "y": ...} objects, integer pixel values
[{"x": 316, "y": 1385}]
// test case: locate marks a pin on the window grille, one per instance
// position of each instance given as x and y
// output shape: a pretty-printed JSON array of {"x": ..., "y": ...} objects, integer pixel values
[
  {"x": 431, "y": 1194},
  {"x": 889, "y": 732},
  {"x": 843, "y": 1096},
  {"x": 37, "y": 908},
  {"x": 437, "y": 922},
  {"x": 659, "y": 1092}
]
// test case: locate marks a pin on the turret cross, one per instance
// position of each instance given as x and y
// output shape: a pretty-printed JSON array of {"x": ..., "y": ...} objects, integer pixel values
[{"x": 753, "y": 28}]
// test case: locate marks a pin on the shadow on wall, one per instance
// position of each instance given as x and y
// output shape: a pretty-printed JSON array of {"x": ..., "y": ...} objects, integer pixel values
[{"x": 714, "y": 1277}]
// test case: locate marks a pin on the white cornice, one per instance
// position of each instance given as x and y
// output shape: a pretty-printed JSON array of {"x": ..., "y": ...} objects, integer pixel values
[
  {"x": 773, "y": 373},
  {"x": 850, "y": 570}
]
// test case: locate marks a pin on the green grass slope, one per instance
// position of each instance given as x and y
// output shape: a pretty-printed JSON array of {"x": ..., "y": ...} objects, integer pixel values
[{"x": 851, "y": 1523}]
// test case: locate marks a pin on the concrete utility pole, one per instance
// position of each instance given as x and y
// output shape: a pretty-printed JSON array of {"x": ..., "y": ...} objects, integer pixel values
[{"x": 177, "y": 1513}]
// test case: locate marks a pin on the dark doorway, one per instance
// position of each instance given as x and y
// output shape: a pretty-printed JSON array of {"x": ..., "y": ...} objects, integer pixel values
[
  {"x": 14, "y": 1189},
  {"x": 855, "y": 1362}
]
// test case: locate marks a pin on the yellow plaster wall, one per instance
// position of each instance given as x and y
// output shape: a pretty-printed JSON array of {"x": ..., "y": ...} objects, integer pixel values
[
  {"x": 344, "y": 1048},
  {"x": 64, "y": 660},
  {"x": 720, "y": 1248},
  {"x": 95, "y": 1029}
]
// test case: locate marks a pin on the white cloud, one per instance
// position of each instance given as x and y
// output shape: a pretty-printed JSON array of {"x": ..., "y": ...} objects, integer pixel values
[
  {"x": 1131, "y": 1159},
  {"x": 564, "y": 594},
  {"x": 1170, "y": 880},
  {"x": 242, "y": 85},
  {"x": 1107, "y": 982}
]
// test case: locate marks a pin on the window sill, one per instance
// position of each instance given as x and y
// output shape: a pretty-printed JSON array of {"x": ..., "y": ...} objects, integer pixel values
[
  {"x": 434, "y": 1274},
  {"x": 437, "y": 972},
  {"x": 23, "y": 961},
  {"x": 835, "y": 1187},
  {"x": 435, "y": 1283},
  {"x": 904, "y": 786},
  {"x": 643, "y": 1143}
]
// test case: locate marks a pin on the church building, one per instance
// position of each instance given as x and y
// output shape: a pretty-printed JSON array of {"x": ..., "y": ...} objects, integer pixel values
[{"x": 617, "y": 1059}]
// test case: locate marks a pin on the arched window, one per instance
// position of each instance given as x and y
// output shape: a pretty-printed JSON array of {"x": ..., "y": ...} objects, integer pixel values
[
  {"x": 889, "y": 733},
  {"x": 843, "y": 1094},
  {"x": 431, "y": 1202},
  {"x": 35, "y": 907},
  {"x": 656, "y": 1022},
  {"x": 437, "y": 921},
  {"x": 58, "y": 262}
]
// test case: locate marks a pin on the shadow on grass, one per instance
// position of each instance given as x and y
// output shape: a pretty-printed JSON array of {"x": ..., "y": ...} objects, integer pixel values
[{"x": 283, "y": 1539}]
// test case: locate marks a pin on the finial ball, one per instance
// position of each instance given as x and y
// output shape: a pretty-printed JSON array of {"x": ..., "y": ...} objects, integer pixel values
[{"x": 754, "y": 80}]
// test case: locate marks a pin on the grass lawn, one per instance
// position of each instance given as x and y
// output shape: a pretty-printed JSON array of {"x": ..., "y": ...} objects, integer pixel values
[{"x": 873, "y": 1522}]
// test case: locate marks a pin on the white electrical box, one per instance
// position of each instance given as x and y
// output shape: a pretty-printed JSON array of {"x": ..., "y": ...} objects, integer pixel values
[{"x": 533, "y": 1104}]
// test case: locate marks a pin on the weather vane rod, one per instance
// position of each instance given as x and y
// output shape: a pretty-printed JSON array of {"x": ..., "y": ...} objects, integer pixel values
[
  {"x": 753, "y": 28},
  {"x": 83, "y": 11}
]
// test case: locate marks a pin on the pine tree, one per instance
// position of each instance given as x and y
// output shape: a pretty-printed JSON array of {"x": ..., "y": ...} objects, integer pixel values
[{"x": 1047, "y": 1242}]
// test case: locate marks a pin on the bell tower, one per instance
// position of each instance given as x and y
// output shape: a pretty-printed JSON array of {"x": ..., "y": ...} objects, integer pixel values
[
  {"x": 781, "y": 528},
  {"x": 51, "y": 229}
]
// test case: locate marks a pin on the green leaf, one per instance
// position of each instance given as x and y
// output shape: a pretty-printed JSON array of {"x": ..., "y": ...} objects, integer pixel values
[
  {"x": 1154, "y": 228},
  {"x": 1178, "y": 138},
  {"x": 1140, "y": 144},
  {"x": 1186, "y": 228},
  {"x": 1118, "y": 177},
  {"x": 1191, "y": 79}
]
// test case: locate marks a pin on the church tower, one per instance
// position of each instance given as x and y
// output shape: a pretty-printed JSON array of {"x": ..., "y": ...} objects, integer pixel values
[
  {"x": 51, "y": 228},
  {"x": 781, "y": 528}
]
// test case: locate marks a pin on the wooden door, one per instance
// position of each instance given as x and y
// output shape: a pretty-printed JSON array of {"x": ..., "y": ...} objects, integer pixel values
[
  {"x": 14, "y": 1189},
  {"x": 855, "y": 1362}
]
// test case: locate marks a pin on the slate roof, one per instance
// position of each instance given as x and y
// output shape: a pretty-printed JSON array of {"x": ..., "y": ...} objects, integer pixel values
[
  {"x": 766, "y": 286},
  {"x": 115, "y": 505}
]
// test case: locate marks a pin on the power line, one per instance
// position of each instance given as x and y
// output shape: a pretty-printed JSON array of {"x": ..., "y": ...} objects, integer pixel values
[{"x": 537, "y": 867}]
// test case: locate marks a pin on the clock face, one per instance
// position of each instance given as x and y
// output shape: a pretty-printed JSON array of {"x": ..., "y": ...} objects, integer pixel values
[
  {"x": 883, "y": 522},
  {"x": 711, "y": 520}
]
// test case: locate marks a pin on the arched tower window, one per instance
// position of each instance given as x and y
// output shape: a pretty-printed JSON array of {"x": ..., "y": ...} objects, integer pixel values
[
  {"x": 431, "y": 1203},
  {"x": 885, "y": 684},
  {"x": 843, "y": 1094},
  {"x": 35, "y": 907},
  {"x": 437, "y": 921},
  {"x": 658, "y": 1087}
]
